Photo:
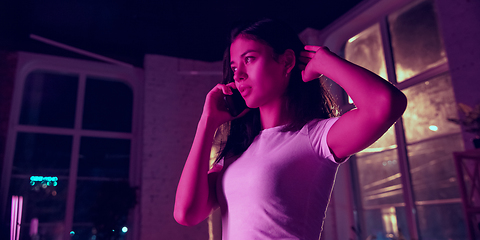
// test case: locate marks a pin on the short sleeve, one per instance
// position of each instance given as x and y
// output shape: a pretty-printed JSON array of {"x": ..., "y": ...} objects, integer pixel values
[
  {"x": 217, "y": 166},
  {"x": 317, "y": 133}
]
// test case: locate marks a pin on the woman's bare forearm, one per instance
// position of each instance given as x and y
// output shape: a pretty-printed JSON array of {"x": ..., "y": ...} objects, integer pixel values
[{"x": 194, "y": 201}]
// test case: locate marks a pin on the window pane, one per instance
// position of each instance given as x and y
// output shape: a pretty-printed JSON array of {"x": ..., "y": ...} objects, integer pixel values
[
  {"x": 42, "y": 154},
  {"x": 442, "y": 221},
  {"x": 104, "y": 157},
  {"x": 102, "y": 206},
  {"x": 432, "y": 168},
  {"x": 416, "y": 41},
  {"x": 386, "y": 223},
  {"x": 431, "y": 140},
  {"x": 381, "y": 188},
  {"x": 429, "y": 105},
  {"x": 108, "y": 106},
  {"x": 49, "y": 99},
  {"x": 379, "y": 177},
  {"x": 83, "y": 232},
  {"x": 48, "y": 231},
  {"x": 365, "y": 49}
]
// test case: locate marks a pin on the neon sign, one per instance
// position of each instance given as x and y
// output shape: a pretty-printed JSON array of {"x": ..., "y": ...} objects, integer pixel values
[{"x": 44, "y": 181}]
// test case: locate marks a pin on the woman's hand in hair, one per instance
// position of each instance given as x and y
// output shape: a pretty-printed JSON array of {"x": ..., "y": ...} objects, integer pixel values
[
  {"x": 313, "y": 61},
  {"x": 215, "y": 109}
]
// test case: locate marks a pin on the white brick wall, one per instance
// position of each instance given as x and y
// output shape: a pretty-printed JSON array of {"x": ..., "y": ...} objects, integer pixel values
[{"x": 173, "y": 104}]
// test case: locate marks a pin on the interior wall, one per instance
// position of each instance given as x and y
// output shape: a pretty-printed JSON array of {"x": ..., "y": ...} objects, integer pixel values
[
  {"x": 8, "y": 66},
  {"x": 459, "y": 23},
  {"x": 175, "y": 91}
]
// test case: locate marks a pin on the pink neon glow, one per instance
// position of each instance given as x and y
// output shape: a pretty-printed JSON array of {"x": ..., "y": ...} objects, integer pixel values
[
  {"x": 19, "y": 218},
  {"x": 33, "y": 227},
  {"x": 16, "y": 217},
  {"x": 13, "y": 219}
]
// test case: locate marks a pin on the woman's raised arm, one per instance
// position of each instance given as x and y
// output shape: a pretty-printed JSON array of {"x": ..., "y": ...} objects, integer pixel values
[{"x": 378, "y": 103}]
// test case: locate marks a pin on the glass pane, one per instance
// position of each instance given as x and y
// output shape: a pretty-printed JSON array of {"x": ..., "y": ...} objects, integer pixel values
[
  {"x": 433, "y": 170},
  {"x": 47, "y": 203},
  {"x": 429, "y": 105},
  {"x": 442, "y": 221},
  {"x": 83, "y": 232},
  {"x": 431, "y": 140},
  {"x": 365, "y": 49},
  {"x": 49, "y": 99},
  {"x": 104, "y": 157},
  {"x": 103, "y": 206},
  {"x": 50, "y": 231},
  {"x": 379, "y": 179},
  {"x": 381, "y": 189},
  {"x": 42, "y": 154},
  {"x": 108, "y": 105},
  {"x": 386, "y": 223},
  {"x": 416, "y": 41}
]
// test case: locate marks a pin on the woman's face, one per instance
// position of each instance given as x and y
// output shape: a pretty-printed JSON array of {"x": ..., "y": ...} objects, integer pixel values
[{"x": 258, "y": 76}]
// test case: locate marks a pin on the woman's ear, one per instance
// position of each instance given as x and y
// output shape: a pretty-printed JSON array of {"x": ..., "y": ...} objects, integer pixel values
[{"x": 289, "y": 59}]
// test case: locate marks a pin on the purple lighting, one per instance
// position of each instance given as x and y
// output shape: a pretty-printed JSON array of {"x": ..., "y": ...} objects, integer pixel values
[{"x": 16, "y": 217}]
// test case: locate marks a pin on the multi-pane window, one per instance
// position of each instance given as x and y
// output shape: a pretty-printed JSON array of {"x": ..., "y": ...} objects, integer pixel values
[
  {"x": 72, "y": 153},
  {"x": 418, "y": 66}
]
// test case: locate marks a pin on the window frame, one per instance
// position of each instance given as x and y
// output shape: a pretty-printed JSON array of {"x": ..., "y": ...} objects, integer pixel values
[{"x": 133, "y": 77}]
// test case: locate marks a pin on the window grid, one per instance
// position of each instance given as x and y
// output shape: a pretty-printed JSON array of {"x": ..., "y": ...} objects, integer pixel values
[
  {"x": 402, "y": 152},
  {"x": 77, "y": 132}
]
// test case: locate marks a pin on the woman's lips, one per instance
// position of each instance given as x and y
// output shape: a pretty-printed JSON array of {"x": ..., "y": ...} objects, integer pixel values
[{"x": 244, "y": 90}]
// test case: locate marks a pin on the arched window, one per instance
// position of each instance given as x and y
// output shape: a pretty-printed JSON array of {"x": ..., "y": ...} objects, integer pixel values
[{"x": 71, "y": 149}]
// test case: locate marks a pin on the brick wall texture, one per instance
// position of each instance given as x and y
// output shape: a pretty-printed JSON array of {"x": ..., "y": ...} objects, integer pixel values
[{"x": 173, "y": 104}]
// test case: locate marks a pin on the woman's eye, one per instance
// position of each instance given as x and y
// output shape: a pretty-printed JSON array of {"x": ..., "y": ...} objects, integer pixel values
[
  {"x": 234, "y": 69},
  {"x": 249, "y": 59}
]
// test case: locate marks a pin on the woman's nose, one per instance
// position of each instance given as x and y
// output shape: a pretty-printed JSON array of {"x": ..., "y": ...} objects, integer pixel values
[{"x": 240, "y": 74}]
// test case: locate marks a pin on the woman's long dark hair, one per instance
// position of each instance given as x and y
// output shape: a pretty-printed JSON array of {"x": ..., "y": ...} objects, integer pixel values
[{"x": 305, "y": 101}]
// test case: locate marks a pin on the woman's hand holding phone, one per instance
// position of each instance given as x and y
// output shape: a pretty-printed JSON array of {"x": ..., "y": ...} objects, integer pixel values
[
  {"x": 235, "y": 103},
  {"x": 216, "y": 109}
]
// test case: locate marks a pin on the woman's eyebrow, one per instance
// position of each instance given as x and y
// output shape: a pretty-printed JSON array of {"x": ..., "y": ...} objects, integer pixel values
[{"x": 243, "y": 54}]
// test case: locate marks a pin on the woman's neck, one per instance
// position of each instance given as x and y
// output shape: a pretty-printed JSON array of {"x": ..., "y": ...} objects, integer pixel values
[{"x": 274, "y": 114}]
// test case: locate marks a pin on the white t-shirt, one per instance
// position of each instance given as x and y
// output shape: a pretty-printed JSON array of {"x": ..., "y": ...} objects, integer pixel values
[{"x": 279, "y": 188}]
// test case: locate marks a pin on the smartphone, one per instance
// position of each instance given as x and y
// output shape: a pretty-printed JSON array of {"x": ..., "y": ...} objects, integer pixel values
[{"x": 235, "y": 103}]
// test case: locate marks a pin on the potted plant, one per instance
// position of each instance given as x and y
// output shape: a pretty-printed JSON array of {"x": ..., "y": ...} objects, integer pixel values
[{"x": 471, "y": 121}]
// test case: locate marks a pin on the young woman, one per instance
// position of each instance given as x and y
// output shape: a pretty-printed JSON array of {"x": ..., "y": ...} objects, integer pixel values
[{"x": 275, "y": 173}]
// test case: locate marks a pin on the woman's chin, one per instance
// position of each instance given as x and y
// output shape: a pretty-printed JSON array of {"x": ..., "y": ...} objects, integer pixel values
[{"x": 251, "y": 104}]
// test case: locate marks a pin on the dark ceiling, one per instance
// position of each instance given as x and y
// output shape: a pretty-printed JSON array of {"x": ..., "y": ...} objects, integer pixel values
[{"x": 126, "y": 30}]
